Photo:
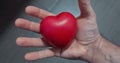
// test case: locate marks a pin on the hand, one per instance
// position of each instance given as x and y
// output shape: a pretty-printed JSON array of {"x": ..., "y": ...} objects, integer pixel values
[{"x": 81, "y": 48}]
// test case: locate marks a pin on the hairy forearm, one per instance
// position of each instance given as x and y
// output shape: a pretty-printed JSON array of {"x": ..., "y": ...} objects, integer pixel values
[{"x": 106, "y": 52}]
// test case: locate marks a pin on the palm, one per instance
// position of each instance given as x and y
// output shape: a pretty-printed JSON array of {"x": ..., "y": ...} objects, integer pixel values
[{"x": 87, "y": 33}]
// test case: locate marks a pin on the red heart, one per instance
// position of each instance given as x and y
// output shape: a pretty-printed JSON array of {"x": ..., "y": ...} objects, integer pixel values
[{"x": 60, "y": 30}]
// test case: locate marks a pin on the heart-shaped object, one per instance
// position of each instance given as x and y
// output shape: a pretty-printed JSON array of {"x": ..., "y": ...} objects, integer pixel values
[{"x": 60, "y": 30}]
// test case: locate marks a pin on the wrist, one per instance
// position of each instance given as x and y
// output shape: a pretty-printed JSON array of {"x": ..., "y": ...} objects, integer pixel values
[
  {"x": 103, "y": 51},
  {"x": 95, "y": 51},
  {"x": 92, "y": 49}
]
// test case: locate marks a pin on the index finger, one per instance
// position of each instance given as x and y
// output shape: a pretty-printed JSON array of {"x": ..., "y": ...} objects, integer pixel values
[{"x": 37, "y": 12}]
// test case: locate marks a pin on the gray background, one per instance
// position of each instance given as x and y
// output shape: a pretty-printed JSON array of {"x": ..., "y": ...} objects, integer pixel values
[{"x": 108, "y": 19}]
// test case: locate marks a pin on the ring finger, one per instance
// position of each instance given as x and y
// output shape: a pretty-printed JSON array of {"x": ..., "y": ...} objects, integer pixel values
[{"x": 31, "y": 42}]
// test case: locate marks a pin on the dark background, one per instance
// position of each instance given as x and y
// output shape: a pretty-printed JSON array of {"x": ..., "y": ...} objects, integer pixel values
[
  {"x": 8, "y": 10},
  {"x": 108, "y": 19}
]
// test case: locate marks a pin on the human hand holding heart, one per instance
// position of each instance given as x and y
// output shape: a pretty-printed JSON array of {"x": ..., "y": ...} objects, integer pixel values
[{"x": 81, "y": 32}]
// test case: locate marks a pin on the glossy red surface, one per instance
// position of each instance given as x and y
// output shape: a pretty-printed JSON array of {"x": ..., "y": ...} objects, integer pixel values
[{"x": 60, "y": 30}]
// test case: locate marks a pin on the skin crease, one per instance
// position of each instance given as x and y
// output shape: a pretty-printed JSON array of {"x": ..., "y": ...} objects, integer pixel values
[{"x": 88, "y": 45}]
